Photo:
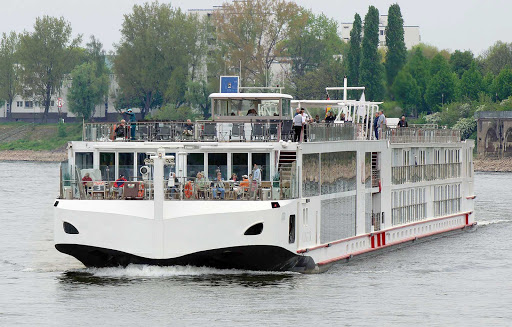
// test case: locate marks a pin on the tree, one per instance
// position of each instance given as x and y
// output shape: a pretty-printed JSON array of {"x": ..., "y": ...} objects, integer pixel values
[
  {"x": 437, "y": 64},
  {"x": 252, "y": 33},
  {"x": 197, "y": 95},
  {"x": 407, "y": 92},
  {"x": 87, "y": 90},
  {"x": 354, "y": 52},
  {"x": 397, "y": 53},
  {"x": 502, "y": 85},
  {"x": 441, "y": 89},
  {"x": 471, "y": 83},
  {"x": 419, "y": 67},
  {"x": 314, "y": 46},
  {"x": 156, "y": 40},
  {"x": 371, "y": 71},
  {"x": 9, "y": 68},
  {"x": 45, "y": 56},
  {"x": 461, "y": 61},
  {"x": 497, "y": 57}
]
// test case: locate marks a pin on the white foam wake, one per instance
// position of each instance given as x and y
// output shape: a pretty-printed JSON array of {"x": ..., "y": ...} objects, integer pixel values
[
  {"x": 148, "y": 271},
  {"x": 491, "y": 222}
]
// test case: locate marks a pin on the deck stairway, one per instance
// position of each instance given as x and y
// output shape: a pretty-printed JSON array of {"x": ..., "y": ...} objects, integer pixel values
[{"x": 285, "y": 166}]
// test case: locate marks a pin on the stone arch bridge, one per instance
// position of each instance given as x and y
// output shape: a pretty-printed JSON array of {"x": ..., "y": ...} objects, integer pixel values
[{"x": 494, "y": 133}]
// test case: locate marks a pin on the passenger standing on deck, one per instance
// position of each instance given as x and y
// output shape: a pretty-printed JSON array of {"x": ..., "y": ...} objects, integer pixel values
[
  {"x": 375, "y": 125},
  {"x": 297, "y": 126},
  {"x": 305, "y": 122},
  {"x": 133, "y": 121},
  {"x": 381, "y": 122},
  {"x": 256, "y": 181}
]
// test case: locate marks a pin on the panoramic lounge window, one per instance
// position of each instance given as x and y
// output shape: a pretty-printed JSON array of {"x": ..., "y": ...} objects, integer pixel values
[
  {"x": 126, "y": 165},
  {"x": 108, "y": 166},
  {"x": 239, "y": 165},
  {"x": 195, "y": 164},
  {"x": 83, "y": 160},
  {"x": 217, "y": 162},
  {"x": 263, "y": 161}
]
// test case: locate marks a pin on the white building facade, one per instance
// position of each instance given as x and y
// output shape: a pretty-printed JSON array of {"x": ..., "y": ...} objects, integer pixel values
[{"x": 412, "y": 35}]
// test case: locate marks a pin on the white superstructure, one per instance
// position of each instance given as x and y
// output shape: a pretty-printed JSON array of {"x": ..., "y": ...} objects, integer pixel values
[{"x": 336, "y": 193}]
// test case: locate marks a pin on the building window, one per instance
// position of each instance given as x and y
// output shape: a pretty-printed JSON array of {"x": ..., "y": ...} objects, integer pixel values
[
  {"x": 381, "y": 32},
  {"x": 29, "y": 104},
  {"x": 19, "y": 104},
  {"x": 52, "y": 103}
]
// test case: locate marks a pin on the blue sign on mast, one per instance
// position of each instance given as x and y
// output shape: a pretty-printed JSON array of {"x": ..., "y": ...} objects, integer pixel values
[{"x": 229, "y": 84}]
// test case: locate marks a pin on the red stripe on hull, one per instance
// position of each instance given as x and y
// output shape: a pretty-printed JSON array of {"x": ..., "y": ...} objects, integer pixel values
[{"x": 391, "y": 244}]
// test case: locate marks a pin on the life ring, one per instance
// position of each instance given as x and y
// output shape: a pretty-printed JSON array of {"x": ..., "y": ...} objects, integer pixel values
[
  {"x": 188, "y": 189},
  {"x": 140, "y": 193},
  {"x": 380, "y": 186}
]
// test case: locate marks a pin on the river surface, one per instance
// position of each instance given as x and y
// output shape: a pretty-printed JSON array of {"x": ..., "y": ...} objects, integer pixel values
[{"x": 460, "y": 280}]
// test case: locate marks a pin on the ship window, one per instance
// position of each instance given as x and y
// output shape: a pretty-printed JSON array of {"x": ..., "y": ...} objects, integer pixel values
[
  {"x": 83, "y": 160},
  {"x": 217, "y": 162},
  {"x": 263, "y": 161},
  {"x": 291, "y": 229},
  {"x": 239, "y": 164},
  {"x": 195, "y": 164},
  {"x": 236, "y": 107},
  {"x": 108, "y": 166},
  {"x": 126, "y": 165}
]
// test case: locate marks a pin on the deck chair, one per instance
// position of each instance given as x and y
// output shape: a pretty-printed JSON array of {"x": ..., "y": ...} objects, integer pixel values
[
  {"x": 209, "y": 131},
  {"x": 237, "y": 132}
]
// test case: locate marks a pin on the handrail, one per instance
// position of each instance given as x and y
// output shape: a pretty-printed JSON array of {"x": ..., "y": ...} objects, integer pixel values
[{"x": 425, "y": 173}]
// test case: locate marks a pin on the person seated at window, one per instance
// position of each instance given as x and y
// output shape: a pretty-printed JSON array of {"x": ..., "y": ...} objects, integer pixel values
[
  {"x": 201, "y": 185},
  {"x": 218, "y": 187},
  {"x": 317, "y": 119},
  {"x": 252, "y": 112},
  {"x": 86, "y": 181},
  {"x": 188, "y": 130},
  {"x": 121, "y": 129},
  {"x": 119, "y": 183},
  {"x": 244, "y": 184},
  {"x": 342, "y": 117}
]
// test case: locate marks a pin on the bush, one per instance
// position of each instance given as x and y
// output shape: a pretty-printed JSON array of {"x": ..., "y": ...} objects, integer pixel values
[
  {"x": 61, "y": 130},
  {"x": 467, "y": 127}
]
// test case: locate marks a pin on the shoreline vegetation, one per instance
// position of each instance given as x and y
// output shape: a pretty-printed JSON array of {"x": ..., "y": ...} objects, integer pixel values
[{"x": 480, "y": 164}]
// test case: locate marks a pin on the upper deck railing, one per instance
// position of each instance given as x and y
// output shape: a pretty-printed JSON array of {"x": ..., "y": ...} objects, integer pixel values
[
  {"x": 257, "y": 130},
  {"x": 421, "y": 135},
  {"x": 207, "y": 131}
]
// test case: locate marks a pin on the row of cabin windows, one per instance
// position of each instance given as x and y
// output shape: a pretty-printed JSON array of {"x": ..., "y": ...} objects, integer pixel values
[
  {"x": 210, "y": 163},
  {"x": 419, "y": 157}
]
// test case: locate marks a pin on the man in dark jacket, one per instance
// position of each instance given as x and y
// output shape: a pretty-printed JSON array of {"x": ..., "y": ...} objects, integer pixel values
[{"x": 403, "y": 122}]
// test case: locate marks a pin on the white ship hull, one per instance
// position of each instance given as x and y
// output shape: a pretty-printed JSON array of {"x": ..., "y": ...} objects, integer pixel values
[{"x": 118, "y": 233}]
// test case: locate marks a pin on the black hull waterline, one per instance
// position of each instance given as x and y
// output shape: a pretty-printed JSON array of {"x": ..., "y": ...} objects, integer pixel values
[{"x": 253, "y": 257}]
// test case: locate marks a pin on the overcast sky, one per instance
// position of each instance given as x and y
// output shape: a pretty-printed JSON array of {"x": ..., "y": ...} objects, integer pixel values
[{"x": 447, "y": 24}]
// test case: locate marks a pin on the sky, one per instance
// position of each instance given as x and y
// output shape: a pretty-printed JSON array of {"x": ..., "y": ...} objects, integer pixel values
[{"x": 447, "y": 24}]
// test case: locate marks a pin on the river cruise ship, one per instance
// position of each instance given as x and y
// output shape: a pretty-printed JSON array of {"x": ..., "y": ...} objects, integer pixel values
[{"x": 162, "y": 193}]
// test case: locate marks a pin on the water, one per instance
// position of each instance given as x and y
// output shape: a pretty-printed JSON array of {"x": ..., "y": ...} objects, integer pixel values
[{"x": 461, "y": 280}]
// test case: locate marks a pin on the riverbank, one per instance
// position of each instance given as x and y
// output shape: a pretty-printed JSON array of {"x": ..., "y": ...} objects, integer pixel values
[
  {"x": 493, "y": 165},
  {"x": 31, "y": 155}
]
